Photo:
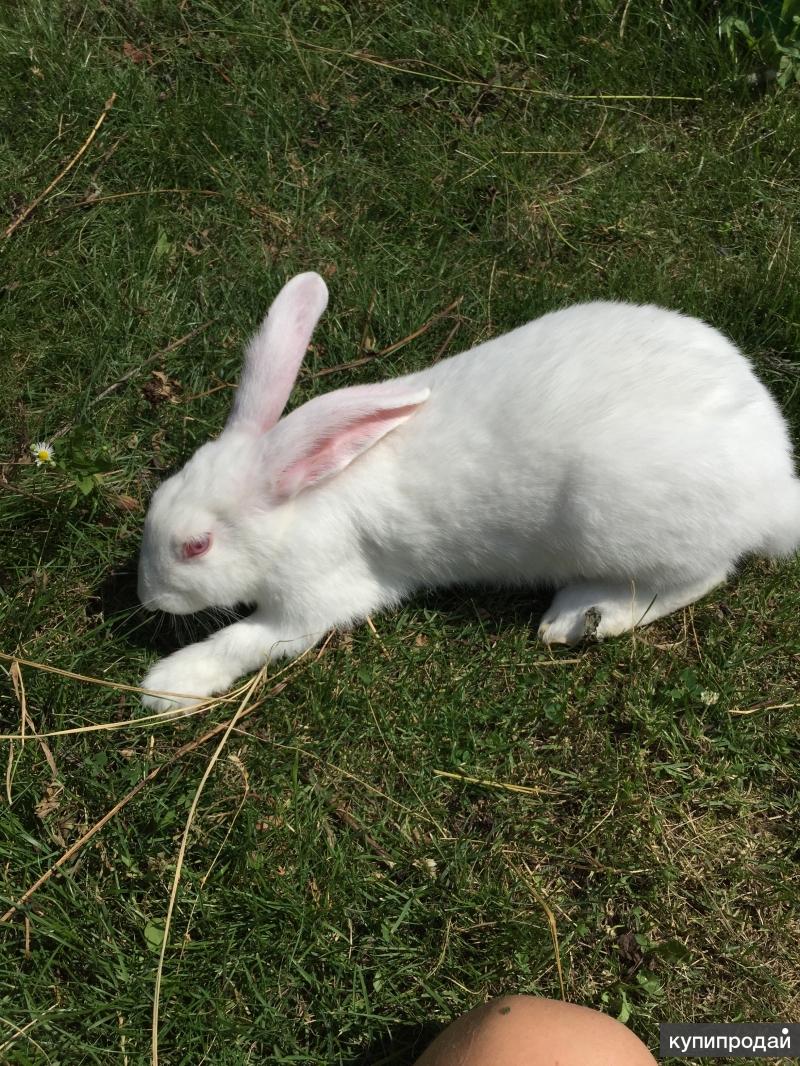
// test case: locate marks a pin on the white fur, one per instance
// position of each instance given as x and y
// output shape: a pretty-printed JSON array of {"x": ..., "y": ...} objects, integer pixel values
[{"x": 626, "y": 455}]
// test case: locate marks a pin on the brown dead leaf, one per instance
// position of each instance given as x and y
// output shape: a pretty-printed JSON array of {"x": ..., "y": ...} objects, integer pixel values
[
  {"x": 50, "y": 801},
  {"x": 198, "y": 244},
  {"x": 298, "y": 170},
  {"x": 629, "y": 949},
  {"x": 137, "y": 55},
  {"x": 161, "y": 388},
  {"x": 269, "y": 821},
  {"x": 126, "y": 503},
  {"x": 345, "y": 641}
]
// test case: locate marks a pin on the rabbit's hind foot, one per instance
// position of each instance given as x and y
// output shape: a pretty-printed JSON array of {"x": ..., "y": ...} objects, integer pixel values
[{"x": 594, "y": 611}]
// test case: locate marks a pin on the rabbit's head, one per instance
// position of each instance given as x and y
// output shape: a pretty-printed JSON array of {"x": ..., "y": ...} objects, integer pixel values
[{"x": 213, "y": 528}]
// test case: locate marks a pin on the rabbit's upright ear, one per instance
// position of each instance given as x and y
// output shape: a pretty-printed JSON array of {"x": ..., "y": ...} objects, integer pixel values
[
  {"x": 274, "y": 355},
  {"x": 326, "y": 434}
]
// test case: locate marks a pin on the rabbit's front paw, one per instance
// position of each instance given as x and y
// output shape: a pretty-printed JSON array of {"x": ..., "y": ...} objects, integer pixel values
[{"x": 191, "y": 674}]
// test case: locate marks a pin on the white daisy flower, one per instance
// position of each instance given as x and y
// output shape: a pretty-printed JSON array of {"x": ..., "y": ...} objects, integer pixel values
[{"x": 42, "y": 452}]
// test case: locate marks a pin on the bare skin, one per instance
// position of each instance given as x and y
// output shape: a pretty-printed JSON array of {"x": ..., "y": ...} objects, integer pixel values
[{"x": 526, "y": 1031}]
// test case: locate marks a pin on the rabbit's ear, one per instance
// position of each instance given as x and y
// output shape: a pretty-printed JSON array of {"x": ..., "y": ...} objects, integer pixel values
[
  {"x": 326, "y": 434},
  {"x": 274, "y": 355}
]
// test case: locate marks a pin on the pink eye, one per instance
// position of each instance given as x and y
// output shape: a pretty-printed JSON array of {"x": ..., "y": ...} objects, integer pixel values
[{"x": 196, "y": 546}]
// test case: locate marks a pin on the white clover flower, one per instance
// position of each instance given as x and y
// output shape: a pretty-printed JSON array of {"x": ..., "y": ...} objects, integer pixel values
[
  {"x": 43, "y": 452},
  {"x": 709, "y": 698}
]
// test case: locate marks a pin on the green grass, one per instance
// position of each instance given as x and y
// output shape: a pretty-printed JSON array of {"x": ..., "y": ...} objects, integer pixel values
[{"x": 664, "y": 837}]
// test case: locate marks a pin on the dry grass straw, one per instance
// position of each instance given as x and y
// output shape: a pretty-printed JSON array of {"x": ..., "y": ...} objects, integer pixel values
[
  {"x": 336, "y": 806},
  {"x": 442, "y": 75},
  {"x": 551, "y": 921},
  {"x": 42, "y": 195},
  {"x": 296, "y": 749},
  {"x": 19, "y": 692},
  {"x": 246, "y": 705},
  {"x": 22, "y": 1031},
  {"x": 234, "y": 760},
  {"x": 25, "y": 722},
  {"x": 362, "y": 360},
  {"x": 525, "y": 790},
  {"x": 226, "y": 732},
  {"x": 794, "y": 705},
  {"x": 157, "y": 718},
  {"x": 395, "y": 346},
  {"x": 243, "y": 709}
]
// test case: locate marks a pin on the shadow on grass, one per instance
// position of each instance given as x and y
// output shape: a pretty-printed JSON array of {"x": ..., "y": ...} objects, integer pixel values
[
  {"x": 402, "y": 1048},
  {"x": 494, "y": 609},
  {"x": 116, "y": 600}
]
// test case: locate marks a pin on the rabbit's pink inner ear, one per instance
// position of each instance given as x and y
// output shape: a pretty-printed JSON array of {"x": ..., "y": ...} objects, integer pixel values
[
  {"x": 333, "y": 451},
  {"x": 274, "y": 354}
]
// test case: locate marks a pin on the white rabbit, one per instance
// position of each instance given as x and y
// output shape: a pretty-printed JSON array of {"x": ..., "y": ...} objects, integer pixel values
[{"x": 626, "y": 455}]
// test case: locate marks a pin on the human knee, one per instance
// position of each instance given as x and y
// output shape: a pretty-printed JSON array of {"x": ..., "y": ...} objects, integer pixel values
[{"x": 528, "y": 1031}]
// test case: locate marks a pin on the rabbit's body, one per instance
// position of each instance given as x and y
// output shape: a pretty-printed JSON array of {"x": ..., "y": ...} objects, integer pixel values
[
  {"x": 626, "y": 455},
  {"x": 602, "y": 441}
]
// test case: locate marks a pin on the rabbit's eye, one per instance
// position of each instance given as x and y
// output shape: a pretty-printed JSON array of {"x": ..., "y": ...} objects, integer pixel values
[{"x": 196, "y": 546}]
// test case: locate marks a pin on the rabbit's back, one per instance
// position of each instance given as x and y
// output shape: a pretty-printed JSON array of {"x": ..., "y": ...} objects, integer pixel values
[
  {"x": 602, "y": 364},
  {"x": 603, "y": 438}
]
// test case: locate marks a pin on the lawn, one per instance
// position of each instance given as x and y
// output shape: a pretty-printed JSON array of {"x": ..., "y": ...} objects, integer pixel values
[{"x": 435, "y": 810}]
